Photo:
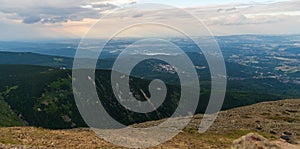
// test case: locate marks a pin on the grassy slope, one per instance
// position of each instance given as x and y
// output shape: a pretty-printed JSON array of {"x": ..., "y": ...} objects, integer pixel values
[
  {"x": 7, "y": 116},
  {"x": 230, "y": 125}
]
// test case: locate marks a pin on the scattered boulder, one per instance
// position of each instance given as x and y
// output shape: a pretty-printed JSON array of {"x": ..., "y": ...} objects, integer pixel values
[
  {"x": 287, "y": 133},
  {"x": 288, "y": 138},
  {"x": 258, "y": 127},
  {"x": 273, "y": 132}
]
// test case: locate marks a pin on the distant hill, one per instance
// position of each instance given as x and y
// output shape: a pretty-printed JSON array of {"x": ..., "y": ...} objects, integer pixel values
[{"x": 27, "y": 58}]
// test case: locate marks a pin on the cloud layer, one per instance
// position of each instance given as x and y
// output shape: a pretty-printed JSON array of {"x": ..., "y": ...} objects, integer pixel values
[
  {"x": 72, "y": 18},
  {"x": 55, "y": 11}
]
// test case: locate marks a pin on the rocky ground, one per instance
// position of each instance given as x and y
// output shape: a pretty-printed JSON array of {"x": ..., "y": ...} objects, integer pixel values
[{"x": 263, "y": 125}]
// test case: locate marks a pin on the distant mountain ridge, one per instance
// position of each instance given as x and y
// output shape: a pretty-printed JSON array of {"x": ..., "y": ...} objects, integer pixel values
[{"x": 29, "y": 58}]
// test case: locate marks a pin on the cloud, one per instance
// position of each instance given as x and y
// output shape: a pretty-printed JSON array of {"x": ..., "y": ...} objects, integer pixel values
[
  {"x": 104, "y": 6},
  {"x": 249, "y": 14},
  {"x": 55, "y": 11},
  {"x": 64, "y": 18},
  {"x": 138, "y": 15},
  {"x": 241, "y": 19},
  {"x": 31, "y": 20},
  {"x": 227, "y": 10},
  {"x": 232, "y": 20},
  {"x": 250, "y": 18}
]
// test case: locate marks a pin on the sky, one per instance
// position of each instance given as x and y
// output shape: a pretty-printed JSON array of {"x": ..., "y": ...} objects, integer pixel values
[
  {"x": 192, "y": 3},
  {"x": 55, "y": 19}
]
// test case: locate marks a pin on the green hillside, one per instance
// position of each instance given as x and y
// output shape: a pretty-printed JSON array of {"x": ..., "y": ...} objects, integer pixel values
[
  {"x": 7, "y": 116},
  {"x": 22, "y": 85},
  {"x": 44, "y": 96}
]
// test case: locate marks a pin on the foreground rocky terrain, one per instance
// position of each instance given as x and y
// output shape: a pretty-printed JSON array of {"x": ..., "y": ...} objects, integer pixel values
[{"x": 263, "y": 125}]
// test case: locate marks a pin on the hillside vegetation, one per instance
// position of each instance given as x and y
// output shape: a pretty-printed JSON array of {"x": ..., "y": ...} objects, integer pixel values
[
  {"x": 43, "y": 96},
  {"x": 7, "y": 116}
]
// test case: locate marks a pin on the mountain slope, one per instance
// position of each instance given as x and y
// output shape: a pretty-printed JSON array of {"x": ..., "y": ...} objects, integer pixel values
[
  {"x": 7, "y": 116},
  {"x": 269, "y": 119},
  {"x": 38, "y": 92}
]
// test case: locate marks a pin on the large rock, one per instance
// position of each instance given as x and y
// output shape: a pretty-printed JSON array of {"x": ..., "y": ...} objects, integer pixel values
[
  {"x": 287, "y": 136},
  {"x": 256, "y": 141}
]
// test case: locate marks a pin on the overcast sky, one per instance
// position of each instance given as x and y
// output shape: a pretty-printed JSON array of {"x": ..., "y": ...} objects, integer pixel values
[{"x": 38, "y": 19}]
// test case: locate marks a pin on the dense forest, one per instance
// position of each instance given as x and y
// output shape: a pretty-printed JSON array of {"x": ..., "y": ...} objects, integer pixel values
[{"x": 43, "y": 96}]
